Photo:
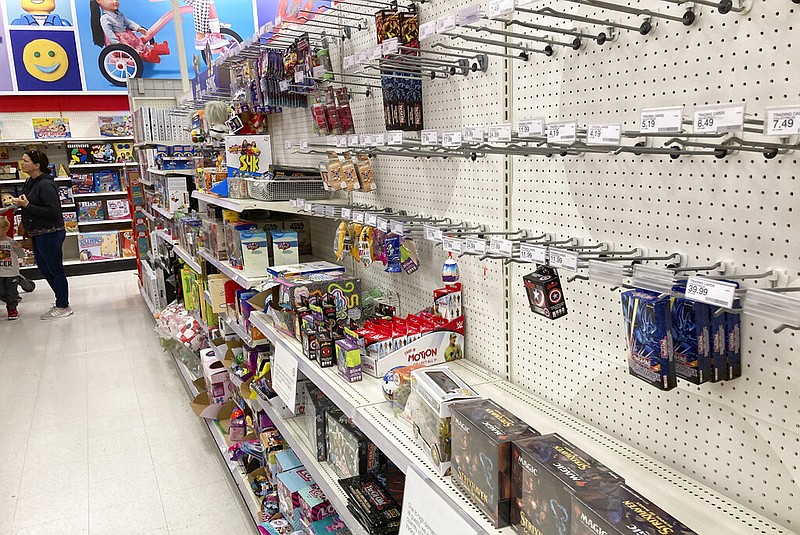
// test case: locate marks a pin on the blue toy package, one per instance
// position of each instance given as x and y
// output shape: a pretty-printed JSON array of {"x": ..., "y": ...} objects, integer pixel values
[
  {"x": 106, "y": 181},
  {"x": 648, "y": 337},
  {"x": 718, "y": 343},
  {"x": 286, "y": 460},
  {"x": 733, "y": 347},
  {"x": 690, "y": 339}
]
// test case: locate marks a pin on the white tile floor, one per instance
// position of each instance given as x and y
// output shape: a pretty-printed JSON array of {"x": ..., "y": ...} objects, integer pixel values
[{"x": 96, "y": 434}]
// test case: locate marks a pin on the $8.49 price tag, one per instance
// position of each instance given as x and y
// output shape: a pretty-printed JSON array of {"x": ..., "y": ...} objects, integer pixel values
[{"x": 711, "y": 292}]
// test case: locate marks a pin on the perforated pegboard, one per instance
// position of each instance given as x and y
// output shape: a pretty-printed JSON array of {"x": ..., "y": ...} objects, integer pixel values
[{"x": 740, "y": 438}]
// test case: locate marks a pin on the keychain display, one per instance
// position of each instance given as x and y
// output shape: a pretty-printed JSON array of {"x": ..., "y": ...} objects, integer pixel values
[{"x": 450, "y": 271}]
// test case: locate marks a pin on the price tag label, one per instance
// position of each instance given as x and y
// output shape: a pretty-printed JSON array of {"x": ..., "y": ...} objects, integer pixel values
[
  {"x": 348, "y": 62},
  {"x": 300, "y": 204},
  {"x": 382, "y": 224},
  {"x": 299, "y": 77},
  {"x": 304, "y": 144},
  {"x": 390, "y": 46},
  {"x": 427, "y": 510},
  {"x": 358, "y": 217},
  {"x": 309, "y": 207},
  {"x": 397, "y": 227},
  {"x": 347, "y": 214},
  {"x": 341, "y": 142},
  {"x": 380, "y": 140},
  {"x": 293, "y": 203},
  {"x": 501, "y": 247},
  {"x": 453, "y": 245},
  {"x": 469, "y": 15},
  {"x": 371, "y": 220},
  {"x": 319, "y": 71},
  {"x": 283, "y": 85},
  {"x": 330, "y": 211},
  {"x": 536, "y": 254},
  {"x": 527, "y": 128},
  {"x": 432, "y": 233},
  {"x": 394, "y": 138},
  {"x": 429, "y": 137},
  {"x": 604, "y": 134},
  {"x": 362, "y": 56},
  {"x": 782, "y": 122},
  {"x": 352, "y": 140},
  {"x": 499, "y": 132},
  {"x": 375, "y": 52},
  {"x": 719, "y": 119},
  {"x": 661, "y": 120},
  {"x": 473, "y": 134},
  {"x": 475, "y": 246},
  {"x": 427, "y": 30},
  {"x": 498, "y": 8},
  {"x": 451, "y": 139},
  {"x": 287, "y": 144},
  {"x": 367, "y": 140},
  {"x": 284, "y": 376},
  {"x": 711, "y": 292},
  {"x": 559, "y": 258},
  {"x": 562, "y": 132},
  {"x": 446, "y": 23}
]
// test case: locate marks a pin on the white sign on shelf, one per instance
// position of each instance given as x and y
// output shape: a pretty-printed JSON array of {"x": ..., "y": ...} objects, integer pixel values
[
  {"x": 309, "y": 207},
  {"x": 358, "y": 217},
  {"x": 451, "y": 139},
  {"x": 566, "y": 132},
  {"x": 453, "y": 245},
  {"x": 394, "y": 138},
  {"x": 432, "y": 233},
  {"x": 661, "y": 120},
  {"x": 427, "y": 30},
  {"x": 397, "y": 227},
  {"x": 499, "y": 132},
  {"x": 475, "y": 246},
  {"x": 604, "y": 134},
  {"x": 498, "y": 8},
  {"x": 380, "y": 140},
  {"x": 531, "y": 127},
  {"x": 719, "y": 119},
  {"x": 711, "y": 292},
  {"x": 284, "y": 376},
  {"x": 371, "y": 219},
  {"x": 562, "y": 259},
  {"x": 426, "y": 511},
  {"x": 341, "y": 142},
  {"x": 429, "y": 137},
  {"x": 347, "y": 214},
  {"x": 382, "y": 224},
  {"x": 533, "y": 253},
  {"x": 352, "y": 140},
  {"x": 469, "y": 15},
  {"x": 446, "y": 23},
  {"x": 473, "y": 134},
  {"x": 782, "y": 122}
]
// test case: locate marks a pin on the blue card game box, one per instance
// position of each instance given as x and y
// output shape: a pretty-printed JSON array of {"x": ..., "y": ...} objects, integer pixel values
[
  {"x": 481, "y": 437},
  {"x": 546, "y": 472},
  {"x": 648, "y": 338},
  {"x": 733, "y": 346},
  {"x": 622, "y": 513},
  {"x": 718, "y": 344},
  {"x": 690, "y": 340}
]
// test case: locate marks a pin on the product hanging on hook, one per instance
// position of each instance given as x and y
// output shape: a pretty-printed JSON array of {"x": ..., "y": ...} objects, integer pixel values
[{"x": 450, "y": 270}]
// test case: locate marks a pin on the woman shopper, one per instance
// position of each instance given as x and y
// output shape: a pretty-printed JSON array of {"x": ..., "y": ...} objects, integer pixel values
[{"x": 44, "y": 223}]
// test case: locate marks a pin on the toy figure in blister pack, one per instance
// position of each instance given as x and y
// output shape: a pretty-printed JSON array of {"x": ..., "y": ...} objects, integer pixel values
[
  {"x": 366, "y": 242},
  {"x": 341, "y": 243},
  {"x": 343, "y": 111},
  {"x": 393, "y": 254},
  {"x": 320, "y": 122}
]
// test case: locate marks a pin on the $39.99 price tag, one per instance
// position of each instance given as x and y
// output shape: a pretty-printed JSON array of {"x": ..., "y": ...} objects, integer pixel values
[{"x": 711, "y": 292}]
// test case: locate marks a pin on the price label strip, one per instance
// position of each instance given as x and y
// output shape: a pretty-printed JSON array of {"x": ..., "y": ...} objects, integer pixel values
[
  {"x": 453, "y": 245},
  {"x": 661, "y": 120},
  {"x": 562, "y": 132},
  {"x": 475, "y": 246},
  {"x": 561, "y": 259},
  {"x": 604, "y": 134},
  {"x": 432, "y": 234},
  {"x": 536, "y": 254},
  {"x": 711, "y": 292},
  {"x": 720, "y": 119},
  {"x": 782, "y": 122}
]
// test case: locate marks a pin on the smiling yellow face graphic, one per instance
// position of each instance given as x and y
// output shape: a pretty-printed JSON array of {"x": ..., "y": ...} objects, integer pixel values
[
  {"x": 45, "y": 60},
  {"x": 38, "y": 6}
]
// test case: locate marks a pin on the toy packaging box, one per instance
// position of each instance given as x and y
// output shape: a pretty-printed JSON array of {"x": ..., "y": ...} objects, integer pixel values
[
  {"x": 70, "y": 221},
  {"x": 286, "y": 460},
  {"x": 546, "y": 472},
  {"x": 350, "y": 452},
  {"x": 733, "y": 346},
  {"x": 371, "y": 504},
  {"x": 346, "y": 292},
  {"x": 106, "y": 181},
  {"x": 314, "y": 505},
  {"x": 118, "y": 209},
  {"x": 718, "y": 345},
  {"x": 481, "y": 454},
  {"x": 115, "y": 125},
  {"x": 98, "y": 245},
  {"x": 248, "y": 155},
  {"x": 317, "y": 405},
  {"x": 332, "y": 525},
  {"x": 127, "y": 244},
  {"x": 437, "y": 387},
  {"x": 624, "y": 512},
  {"x": 91, "y": 211},
  {"x": 103, "y": 153},
  {"x": 255, "y": 252},
  {"x": 82, "y": 184},
  {"x": 51, "y": 127},
  {"x": 348, "y": 359},
  {"x": 285, "y": 249},
  {"x": 545, "y": 295},
  {"x": 289, "y": 485},
  {"x": 79, "y": 153},
  {"x": 690, "y": 339},
  {"x": 65, "y": 195},
  {"x": 648, "y": 337}
]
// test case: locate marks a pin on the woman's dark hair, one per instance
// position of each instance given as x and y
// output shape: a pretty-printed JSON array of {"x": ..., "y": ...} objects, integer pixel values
[
  {"x": 98, "y": 35},
  {"x": 39, "y": 158}
]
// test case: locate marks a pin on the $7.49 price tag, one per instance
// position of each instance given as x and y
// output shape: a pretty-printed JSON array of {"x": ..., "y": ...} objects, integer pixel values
[{"x": 711, "y": 292}]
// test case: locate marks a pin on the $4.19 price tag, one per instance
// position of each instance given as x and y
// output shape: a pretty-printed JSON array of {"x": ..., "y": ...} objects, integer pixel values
[
  {"x": 604, "y": 134},
  {"x": 562, "y": 132},
  {"x": 711, "y": 292}
]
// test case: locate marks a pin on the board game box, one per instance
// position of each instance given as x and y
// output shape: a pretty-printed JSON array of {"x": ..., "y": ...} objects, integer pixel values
[
  {"x": 70, "y": 221},
  {"x": 51, "y": 127},
  {"x": 116, "y": 125},
  {"x": 105, "y": 181},
  {"x": 65, "y": 195},
  {"x": 98, "y": 245},
  {"x": 118, "y": 209},
  {"x": 127, "y": 244},
  {"x": 82, "y": 184},
  {"x": 91, "y": 211},
  {"x": 350, "y": 452}
]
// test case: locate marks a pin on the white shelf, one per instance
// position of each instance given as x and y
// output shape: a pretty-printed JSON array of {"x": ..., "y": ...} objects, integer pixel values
[
  {"x": 85, "y": 262},
  {"x": 184, "y": 255},
  {"x": 104, "y": 222},
  {"x": 164, "y": 236},
  {"x": 233, "y": 274},
  {"x": 101, "y": 165},
  {"x": 147, "y": 301},
  {"x": 100, "y": 194},
  {"x": 151, "y": 144},
  {"x": 241, "y": 332},
  {"x": 175, "y": 172},
  {"x": 239, "y": 205},
  {"x": 324, "y": 476},
  {"x": 62, "y": 140},
  {"x": 67, "y": 206},
  {"x": 162, "y": 211},
  {"x": 20, "y": 182},
  {"x": 696, "y": 505}
]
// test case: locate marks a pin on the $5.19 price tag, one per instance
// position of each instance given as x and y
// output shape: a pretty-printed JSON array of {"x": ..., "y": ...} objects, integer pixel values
[
  {"x": 711, "y": 292},
  {"x": 661, "y": 120}
]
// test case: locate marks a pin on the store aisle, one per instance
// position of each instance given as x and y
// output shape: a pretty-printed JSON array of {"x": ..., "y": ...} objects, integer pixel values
[{"x": 96, "y": 434}]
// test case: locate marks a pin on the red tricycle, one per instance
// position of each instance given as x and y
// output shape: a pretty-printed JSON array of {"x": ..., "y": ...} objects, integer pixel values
[{"x": 123, "y": 60}]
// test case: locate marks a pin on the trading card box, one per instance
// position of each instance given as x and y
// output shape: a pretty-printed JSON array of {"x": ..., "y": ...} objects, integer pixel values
[
  {"x": 314, "y": 505},
  {"x": 546, "y": 472},
  {"x": 317, "y": 405},
  {"x": 350, "y": 452},
  {"x": 482, "y": 433},
  {"x": 370, "y": 503},
  {"x": 718, "y": 343},
  {"x": 733, "y": 346},
  {"x": 290, "y": 484},
  {"x": 624, "y": 512},
  {"x": 690, "y": 340},
  {"x": 648, "y": 337}
]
